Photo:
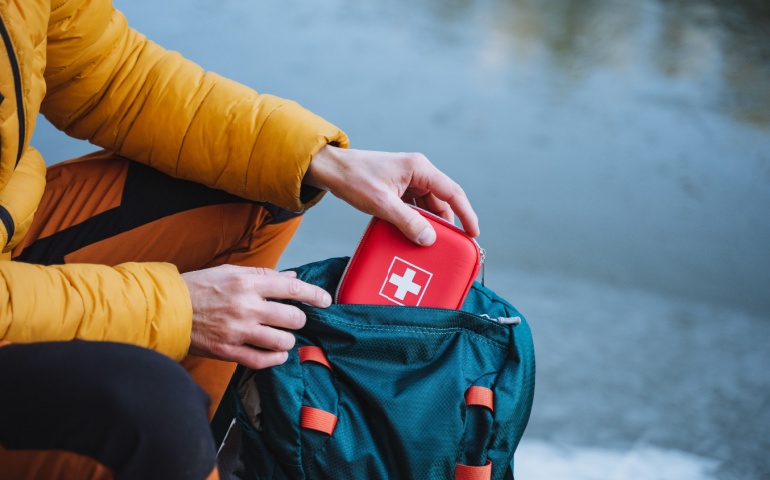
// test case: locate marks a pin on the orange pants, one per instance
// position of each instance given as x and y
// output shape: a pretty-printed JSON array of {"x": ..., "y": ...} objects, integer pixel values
[{"x": 102, "y": 208}]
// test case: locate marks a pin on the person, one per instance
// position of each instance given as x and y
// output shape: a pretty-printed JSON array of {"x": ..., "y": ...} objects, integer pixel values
[{"x": 134, "y": 279}]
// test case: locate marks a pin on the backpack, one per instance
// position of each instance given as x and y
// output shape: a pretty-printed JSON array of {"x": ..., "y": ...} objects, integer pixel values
[{"x": 384, "y": 392}]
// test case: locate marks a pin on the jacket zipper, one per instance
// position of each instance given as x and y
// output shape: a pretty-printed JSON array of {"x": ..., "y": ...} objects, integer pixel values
[{"x": 17, "y": 84}]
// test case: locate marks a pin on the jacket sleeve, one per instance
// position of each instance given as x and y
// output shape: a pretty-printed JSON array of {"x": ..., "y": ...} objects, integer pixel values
[
  {"x": 94, "y": 302},
  {"x": 110, "y": 85}
]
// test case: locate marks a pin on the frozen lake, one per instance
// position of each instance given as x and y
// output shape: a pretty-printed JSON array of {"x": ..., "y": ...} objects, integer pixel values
[{"x": 618, "y": 155}]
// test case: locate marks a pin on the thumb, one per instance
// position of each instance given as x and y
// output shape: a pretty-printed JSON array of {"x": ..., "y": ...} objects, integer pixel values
[{"x": 413, "y": 225}]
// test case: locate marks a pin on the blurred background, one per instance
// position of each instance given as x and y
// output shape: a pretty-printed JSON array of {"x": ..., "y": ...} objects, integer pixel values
[{"x": 618, "y": 155}]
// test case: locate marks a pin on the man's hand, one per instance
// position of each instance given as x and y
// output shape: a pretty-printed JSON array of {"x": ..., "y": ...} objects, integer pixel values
[
  {"x": 378, "y": 183},
  {"x": 234, "y": 320}
]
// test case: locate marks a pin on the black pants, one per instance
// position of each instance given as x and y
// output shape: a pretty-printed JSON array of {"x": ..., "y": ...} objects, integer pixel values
[{"x": 135, "y": 411}]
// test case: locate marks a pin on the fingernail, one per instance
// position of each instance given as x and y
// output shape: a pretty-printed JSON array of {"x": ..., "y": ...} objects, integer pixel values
[
  {"x": 327, "y": 300},
  {"x": 427, "y": 237}
]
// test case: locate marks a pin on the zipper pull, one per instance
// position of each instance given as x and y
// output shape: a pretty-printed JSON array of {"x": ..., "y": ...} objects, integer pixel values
[
  {"x": 504, "y": 320},
  {"x": 483, "y": 262}
]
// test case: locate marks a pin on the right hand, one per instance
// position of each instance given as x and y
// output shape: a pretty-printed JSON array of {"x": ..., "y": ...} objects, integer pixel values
[
  {"x": 382, "y": 183},
  {"x": 234, "y": 320}
]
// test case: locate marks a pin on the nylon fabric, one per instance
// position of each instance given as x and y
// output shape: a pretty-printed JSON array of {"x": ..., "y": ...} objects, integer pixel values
[{"x": 397, "y": 385}]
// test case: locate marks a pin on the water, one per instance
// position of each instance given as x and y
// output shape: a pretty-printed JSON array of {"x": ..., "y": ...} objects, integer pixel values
[{"x": 618, "y": 155}]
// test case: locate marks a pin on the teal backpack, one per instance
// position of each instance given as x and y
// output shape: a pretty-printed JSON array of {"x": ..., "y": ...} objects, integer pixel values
[{"x": 385, "y": 392}]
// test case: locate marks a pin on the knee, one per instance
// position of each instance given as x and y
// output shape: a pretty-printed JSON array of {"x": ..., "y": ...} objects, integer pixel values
[
  {"x": 157, "y": 408},
  {"x": 153, "y": 385},
  {"x": 152, "y": 392}
]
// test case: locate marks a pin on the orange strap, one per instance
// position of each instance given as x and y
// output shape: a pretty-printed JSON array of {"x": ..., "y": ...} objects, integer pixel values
[
  {"x": 480, "y": 396},
  {"x": 316, "y": 419},
  {"x": 468, "y": 472},
  {"x": 313, "y": 354}
]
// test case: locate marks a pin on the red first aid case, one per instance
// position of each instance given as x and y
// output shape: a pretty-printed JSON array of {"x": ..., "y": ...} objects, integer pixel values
[{"x": 389, "y": 269}]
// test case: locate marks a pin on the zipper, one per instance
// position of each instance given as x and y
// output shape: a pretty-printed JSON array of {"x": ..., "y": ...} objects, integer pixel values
[
  {"x": 504, "y": 320},
  {"x": 17, "y": 85},
  {"x": 483, "y": 262}
]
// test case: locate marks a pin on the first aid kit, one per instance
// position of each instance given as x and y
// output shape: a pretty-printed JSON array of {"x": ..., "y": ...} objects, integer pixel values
[{"x": 389, "y": 269}]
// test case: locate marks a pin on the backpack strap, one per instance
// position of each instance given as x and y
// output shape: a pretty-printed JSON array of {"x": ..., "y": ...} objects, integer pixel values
[
  {"x": 469, "y": 472},
  {"x": 317, "y": 419},
  {"x": 480, "y": 396},
  {"x": 312, "y": 353}
]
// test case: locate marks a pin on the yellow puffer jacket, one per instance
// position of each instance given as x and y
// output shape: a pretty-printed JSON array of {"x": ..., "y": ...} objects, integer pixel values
[{"x": 79, "y": 63}]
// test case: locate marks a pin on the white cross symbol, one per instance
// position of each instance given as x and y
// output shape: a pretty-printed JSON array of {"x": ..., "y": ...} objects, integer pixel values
[{"x": 405, "y": 284}]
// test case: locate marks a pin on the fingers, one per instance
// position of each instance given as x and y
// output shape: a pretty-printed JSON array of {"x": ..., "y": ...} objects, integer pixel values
[
  {"x": 375, "y": 182},
  {"x": 268, "y": 283},
  {"x": 286, "y": 287},
  {"x": 413, "y": 225},
  {"x": 434, "y": 191},
  {"x": 268, "y": 338},
  {"x": 280, "y": 315},
  {"x": 232, "y": 320},
  {"x": 257, "y": 359},
  {"x": 263, "y": 346},
  {"x": 462, "y": 207},
  {"x": 441, "y": 208},
  {"x": 446, "y": 190}
]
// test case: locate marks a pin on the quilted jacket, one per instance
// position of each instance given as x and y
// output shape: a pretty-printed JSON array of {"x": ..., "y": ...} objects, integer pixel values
[{"x": 79, "y": 63}]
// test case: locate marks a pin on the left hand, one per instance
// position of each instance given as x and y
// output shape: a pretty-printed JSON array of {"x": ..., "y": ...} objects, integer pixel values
[
  {"x": 378, "y": 183},
  {"x": 233, "y": 319}
]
